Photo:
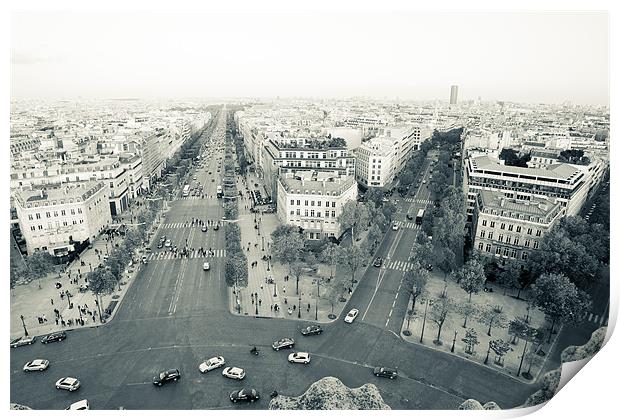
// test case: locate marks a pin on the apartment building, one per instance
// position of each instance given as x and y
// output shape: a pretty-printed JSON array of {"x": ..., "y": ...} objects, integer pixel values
[
  {"x": 56, "y": 220},
  {"x": 509, "y": 228},
  {"x": 568, "y": 183},
  {"x": 153, "y": 156},
  {"x": 314, "y": 200},
  {"x": 283, "y": 155},
  {"x": 380, "y": 159}
]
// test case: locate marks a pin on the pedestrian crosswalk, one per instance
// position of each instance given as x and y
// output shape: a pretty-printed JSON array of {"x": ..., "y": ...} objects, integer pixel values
[
  {"x": 178, "y": 225},
  {"x": 169, "y": 255},
  {"x": 594, "y": 318},
  {"x": 397, "y": 265},
  {"x": 196, "y": 197},
  {"x": 408, "y": 225},
  {"x": 417, "y": 200}
]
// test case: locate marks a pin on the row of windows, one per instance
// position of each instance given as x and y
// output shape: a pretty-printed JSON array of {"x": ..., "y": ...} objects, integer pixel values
[
  {"x": 318, "y": 203},
  {"x": 510, "y": 227},
  {"x": 312, "y": 213},
  {"x": 508, "y": 239},
  {"x": 50, "y": 226},
  {"x": 499, "y": 251},
  {"x": 48, "y": 214}
]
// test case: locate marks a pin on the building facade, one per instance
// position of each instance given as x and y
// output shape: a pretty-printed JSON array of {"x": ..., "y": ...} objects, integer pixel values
[
  {"x": 55, "y": 220},
  {"x": 314, "y": 200},
  {"x": 508, "y": 228}
]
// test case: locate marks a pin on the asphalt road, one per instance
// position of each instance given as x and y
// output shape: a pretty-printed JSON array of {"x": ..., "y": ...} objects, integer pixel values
[{"x": 175, "y": 315}]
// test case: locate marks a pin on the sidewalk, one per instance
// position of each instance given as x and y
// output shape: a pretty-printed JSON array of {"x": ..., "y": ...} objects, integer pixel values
[
  {"x": 286, "y": 298},
  {"x": 33, "y": 302}
]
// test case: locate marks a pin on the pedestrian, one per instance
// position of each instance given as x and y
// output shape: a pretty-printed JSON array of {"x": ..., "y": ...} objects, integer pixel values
[
  {"x": 52, "y": 300},
  {"x": 284, "y": 289},
  {"x": 271, "y": 307},
  {"x": 93, "y": 318},
  {"x": 44, "y": 318},
  {"x": 56, "y": 321},
  {"x": 260, "y": 301},
  {"x": 64, "y": 324}
]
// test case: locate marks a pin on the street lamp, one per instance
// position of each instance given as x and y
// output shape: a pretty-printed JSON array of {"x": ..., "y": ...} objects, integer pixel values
[
  {"x": 275, "y": 290},
  {"x": 486, "y": 360},
  {"x": 24, "y": 325},
  {"x": 453, "y": 342},
  {"x": 263, "y": 248},
  {"x": 299, "y": 307},
  {"x": 268, "y": 259},
  {"x": 256, "y": 302},
  {"x": 68, "y": 298},
  {"x": 424, "y": 321}
]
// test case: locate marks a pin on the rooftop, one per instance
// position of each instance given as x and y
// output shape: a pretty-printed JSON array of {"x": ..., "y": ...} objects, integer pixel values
[
  {"x": 560, "y": 171},
  {"x": 46, "y": 197},
  {"x": 324, "y": 183},
  {"x": 540, "y": 207}
]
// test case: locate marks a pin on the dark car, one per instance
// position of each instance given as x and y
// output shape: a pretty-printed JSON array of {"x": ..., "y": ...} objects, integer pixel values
[
  {"x": 204, "y": 228},
  {"x": 245, "y": 394},
  {"x": 378, "y": 261},
  {"x": 216, "y": 227},
  {"x": 312, "y": 330},
  {"x": 167, "y": 376},
  {"x": 283, "y": 343},
  {"x": 386, "y": 372},
  {"x": 57, "y": 336},
  {"x": 23, "y": 341}
]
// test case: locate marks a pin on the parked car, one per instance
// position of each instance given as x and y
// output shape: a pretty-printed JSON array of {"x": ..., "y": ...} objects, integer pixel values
[
  {"x": 394, "y": 226},
  {"x": 283, "y": 343},
  {"x": 79, "y": 405},
  {"x": 37, "y": 365},
  {"x": 311, "y": 330},
  {"x": 23, "y": 341},
  {"x": 206, "y": 266},
  {"x": 299, "y": 357},
  {"x": 234, "y": 373},
  {"x": 245, "y": 394},
  {"x": 385, "y": 372},
  {"x": 204, "y": 228},
  {"x": 168, "y": 243},
  {"x": 167, "y": 376},
  {"x": 57, "y": 336},
  {"x": 212, "y": 363},
  {"x": 216, "y": 227},
  {"x": 68, "y": 383},
  {"x": 378, "y": 262},
  {"x": 351, "y": 316}
]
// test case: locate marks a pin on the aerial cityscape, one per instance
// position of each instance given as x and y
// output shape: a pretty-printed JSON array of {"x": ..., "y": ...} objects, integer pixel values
[{"x": 298, "y": 251}]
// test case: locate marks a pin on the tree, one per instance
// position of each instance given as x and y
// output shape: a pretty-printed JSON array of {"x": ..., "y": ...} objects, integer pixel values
[
  {"x": 467, "y": 310},
  {"x": 39, "y": 264},
  {"x": 354, "y": 216},
  {"x": 374, "y": 236},
  {"x": 334, "y": 291},
  {"x": 415, "y": 281},
  {"x": 230, "y": 209},
  {"x": 512, "y": 158},
  {"x": 236, "y": 270},
  {"x": 470, "y": 340},
  {"x": 352, "y": 257},
  {"x": 102, "y": 282},
  {"x": 500, "y": 348},
  {"x": 471, "y": 277},
  {"x": 493, "y": 316},
  {"x": 289, "y": 248},
  {"x": 16, "y": 273},
  {"x": 329, "y": 255},
  {"x": 509, "y": 276},
  {"x": 375, "y": 195},
  {"x": 439, "y": 313},
  {"x": 406, "y": 177},
  {"x": 446, "y": 261},
  {"x": 520, "y": 328},
  {"x": 559, "y": 299},
  {"x": 388, "y": 210}
]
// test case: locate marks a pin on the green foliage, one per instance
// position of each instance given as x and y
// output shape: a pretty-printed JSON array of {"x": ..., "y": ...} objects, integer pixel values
[
  {"x": 471, "y": 277},
  {"x": 511, "y": 158},
  {"x": 470, "y": 340},
  {"x": 38, "y": 265},
  {"x": 493, "y": 316},
  {"x": 354, "y": 216},
  {"x": 101, "y": 281},
  {"x": 236, "y": 270},
  {"x": 352, "y": 257},
  {"x": 439, "y": 312}
]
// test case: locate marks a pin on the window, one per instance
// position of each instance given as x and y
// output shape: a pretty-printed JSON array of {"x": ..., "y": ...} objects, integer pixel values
[
  {"x": 298, "y": 213},
  {"x": 32, "y": 228},
  {"x": 529, "y": 231},
  {"x": 306, "y": 212},
  {"x": 538, "y": 232},
  {"x": 318, "y": 214},
  {"x": 518, "y": 229},
  {"x": 508, "y": 239},
  {"x": 298, "y": 202},
  {"x": 48, "y": 214},
  {"x": 333, "y": 204},
  {"x": 312, "y": 213},
  {"x": 510, "y": 227},
  {"x": 524, "y": 256},
  {"x": 73, "y": 212},
  {"x": 513, "y": 254},
  {"x": 292, "y": 212},
  {"x": 292, "y": 202},
  {"x": 38, "y": 216},
  {"x": 527, "y": 243},
  {"x": 55, "y": 214},
  {"x": 30, "y": 217},
  {"x": 492, "y": 224},
  {"x": 491, "y": 235},
  {"x": 488, "y": 248},
  {"x": 535, "y": 245},
  {"x": 506, "y": 251},
  {"x": 318, "y": 203},
  {"x": 482, "y": 233},
  {"x": 501, "y": 237},
  {"x": 306, "y": 202},
  {"x": 63, "y": 213},
  {"x": 516, "y": 242},
  {"x": 498, "y": 251},
  {"x": 503, "y": 226},
  {"x": 333, "y": 213},
  {"x": 480, "y": 246}
]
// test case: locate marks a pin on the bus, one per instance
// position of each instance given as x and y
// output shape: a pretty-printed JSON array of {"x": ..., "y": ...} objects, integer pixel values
[
  {"x": 186, "y": 190},
  {"x": 219, "y": 191},
  {"x": 419, "y": 217}
]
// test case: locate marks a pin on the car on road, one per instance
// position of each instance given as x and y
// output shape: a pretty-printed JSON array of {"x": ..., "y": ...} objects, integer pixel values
[
  {"x": 212, "y": 363},
  {"x": 245, "y": 394},
  {"x": 351, "y": 316},
  {"x": 216, "y": 227},
  {"x": 167, "y": 376},
  {"x": 144, "y": 259},
  {"x": 37, "y": 365},
  {"x": 394, "y": 226},
  {"x": 206, "y": 266},
  {"x": 385, "y": 372},
  {"x": 378, "y": 262},
  {"x": 233, "y": 373},
  {"x": 23, "y": 341},
  {"x": 168, "y": 243},
  {"x": 204, "y": 228},
  {"x": 160, "y": 245},
  {"x": 79, "y": 405},
  {"x": 68, "y": 383},
  {"x": 311, "y": 330},
  {"x": 283, "y": 343},
  {"x": 299, "y": 357},
  {"x": 57, "y": 336},
  {"x": 423, "y": 181}
]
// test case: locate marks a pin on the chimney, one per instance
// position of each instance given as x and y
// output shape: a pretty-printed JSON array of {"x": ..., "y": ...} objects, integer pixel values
[{"x": 501, "y": 202}]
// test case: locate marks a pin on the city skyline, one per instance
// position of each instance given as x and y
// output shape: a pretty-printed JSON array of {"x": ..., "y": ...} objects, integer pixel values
[{"x": 139, "y": 60}]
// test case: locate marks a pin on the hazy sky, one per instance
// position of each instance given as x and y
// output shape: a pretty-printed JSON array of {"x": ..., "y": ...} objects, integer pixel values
[{"x": 542, "y": 57}]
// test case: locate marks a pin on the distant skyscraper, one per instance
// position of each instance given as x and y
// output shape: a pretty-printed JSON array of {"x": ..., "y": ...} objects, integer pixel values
[{"x": 454, "y": 93}]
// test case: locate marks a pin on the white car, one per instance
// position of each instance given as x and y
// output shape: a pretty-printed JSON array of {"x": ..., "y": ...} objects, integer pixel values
[
  {"x": 79, "y": 405},
  {"x": 394, "y": 226},
  {"x": 234, "y": 373},
  {"x": 299, "y": 357},
  {"x": 70, "y": 384},
  {"x": 168, "y": 243},
  {"x": 212, "y": 363},
  {"x": 351, "y": 316},
  {"x": 206, "y": 266},
  {"x": 36, "y": 365}
]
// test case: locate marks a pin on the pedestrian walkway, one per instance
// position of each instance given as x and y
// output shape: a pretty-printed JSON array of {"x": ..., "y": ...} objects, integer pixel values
[
  {"x": 408, "y": 225},
  {"x": 179, "y": 225},
  {"x": 594, "y": 318},
  {"x": 196, "y": 197},
  {"x": 417, "y": 200},
  {"x": 398, "y": 265},
  {"x": 169, "y": 255}
]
